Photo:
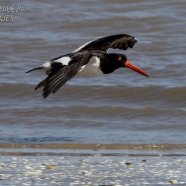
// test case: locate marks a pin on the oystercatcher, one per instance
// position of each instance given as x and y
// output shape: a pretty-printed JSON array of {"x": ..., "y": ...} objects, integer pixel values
[{"x": 63, "y": 68}]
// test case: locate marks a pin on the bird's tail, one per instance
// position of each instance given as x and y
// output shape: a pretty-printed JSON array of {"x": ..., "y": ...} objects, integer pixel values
[{"x": 38, "y": 68}]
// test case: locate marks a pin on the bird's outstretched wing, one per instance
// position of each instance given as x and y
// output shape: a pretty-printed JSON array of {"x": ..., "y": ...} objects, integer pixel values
[
  {"x": 119, "y": 41},
  {"x": 58, "y": 78}
]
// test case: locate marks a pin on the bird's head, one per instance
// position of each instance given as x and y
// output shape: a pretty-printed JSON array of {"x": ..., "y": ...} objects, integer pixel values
[{"x": 122, "y": 61}]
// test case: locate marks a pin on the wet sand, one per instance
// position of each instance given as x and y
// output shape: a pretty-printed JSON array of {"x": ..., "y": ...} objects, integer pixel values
[{"x": 92, "y": 164}]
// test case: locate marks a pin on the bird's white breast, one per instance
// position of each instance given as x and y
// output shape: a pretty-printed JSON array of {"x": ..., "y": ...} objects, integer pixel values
[
  {"x": 92, "y": 68},
  {"x": 95, "y": 61}
]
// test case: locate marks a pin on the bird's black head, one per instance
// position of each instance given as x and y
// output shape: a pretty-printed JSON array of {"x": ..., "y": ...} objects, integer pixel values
[
  {"x": 112, "y": 62},
  {"x": 119, "y": 60}
]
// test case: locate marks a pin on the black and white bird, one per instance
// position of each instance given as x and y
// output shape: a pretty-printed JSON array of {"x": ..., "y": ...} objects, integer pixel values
[{"x": 63, "y": 68}]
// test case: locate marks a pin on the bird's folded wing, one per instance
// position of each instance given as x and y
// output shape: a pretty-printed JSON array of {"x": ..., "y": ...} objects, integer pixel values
[
  {"x": 119, "y": 41},
  {"x": 56, "y": 81},
  {"x": 53, "y": 82}
]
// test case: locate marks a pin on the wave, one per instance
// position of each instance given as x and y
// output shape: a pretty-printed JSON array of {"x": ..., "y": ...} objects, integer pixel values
[
  {"x": 88, "y": 113},
  {"x": 35, "y": 139},
  {"x": 148, "y": 93}
]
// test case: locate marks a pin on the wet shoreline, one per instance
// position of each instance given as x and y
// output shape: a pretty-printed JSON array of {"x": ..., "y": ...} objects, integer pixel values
[
  {"x": 81, "y": 146},
  {"x": 77, "y": 149}
]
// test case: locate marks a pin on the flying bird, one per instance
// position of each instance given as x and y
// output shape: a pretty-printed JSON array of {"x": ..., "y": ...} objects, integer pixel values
[{"x": 63, "y": 68}]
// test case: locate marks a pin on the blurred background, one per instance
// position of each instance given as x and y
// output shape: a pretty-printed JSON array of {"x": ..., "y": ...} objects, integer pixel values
[{"x": 122, "y": 107}]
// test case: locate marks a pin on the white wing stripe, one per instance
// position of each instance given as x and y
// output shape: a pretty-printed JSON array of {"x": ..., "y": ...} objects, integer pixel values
[
  {"x": 46, "y": 66},
  {"x": 63, "y": 60}
]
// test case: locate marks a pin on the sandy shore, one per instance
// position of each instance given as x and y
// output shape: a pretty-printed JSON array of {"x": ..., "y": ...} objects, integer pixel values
[{"x": 66, "y": 164}]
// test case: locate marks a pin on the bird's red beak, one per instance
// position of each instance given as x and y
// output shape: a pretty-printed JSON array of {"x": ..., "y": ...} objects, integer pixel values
[{"x": 130, "y": 65}]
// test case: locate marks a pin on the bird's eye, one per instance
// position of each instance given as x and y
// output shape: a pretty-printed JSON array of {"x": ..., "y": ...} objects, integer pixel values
[{"x": 119, "y": 58}]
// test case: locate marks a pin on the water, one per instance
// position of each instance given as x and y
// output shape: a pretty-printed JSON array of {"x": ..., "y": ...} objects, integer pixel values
[{"x": 122, "y": 107}]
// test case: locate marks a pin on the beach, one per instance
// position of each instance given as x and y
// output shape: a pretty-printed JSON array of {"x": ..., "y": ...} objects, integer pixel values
[{"x": 92, "y": 164}]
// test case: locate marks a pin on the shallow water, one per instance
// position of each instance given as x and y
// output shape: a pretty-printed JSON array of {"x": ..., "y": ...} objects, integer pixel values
[{"x": 122, "y": 107}]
